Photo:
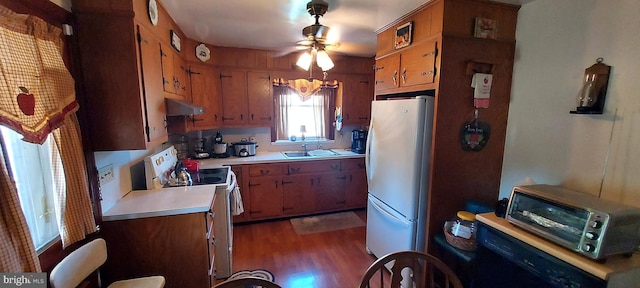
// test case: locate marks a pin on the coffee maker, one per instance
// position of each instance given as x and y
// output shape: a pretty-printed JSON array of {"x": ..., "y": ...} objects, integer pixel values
[{"x": 358, "y": 141}]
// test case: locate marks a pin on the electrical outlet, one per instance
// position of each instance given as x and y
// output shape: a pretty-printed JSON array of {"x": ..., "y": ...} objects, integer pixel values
[{"x": 105, "y": 174}]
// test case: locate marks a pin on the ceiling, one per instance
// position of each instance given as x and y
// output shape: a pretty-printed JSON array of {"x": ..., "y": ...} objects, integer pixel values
[{"x": 277, "y": 24}]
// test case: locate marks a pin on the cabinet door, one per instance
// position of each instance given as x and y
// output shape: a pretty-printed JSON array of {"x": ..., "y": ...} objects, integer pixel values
[
  {"x": 356, "y": 100},
  {"x": 152, "y": 81},
  {"x": 266, "y": 197},
  {"x": 386, "y": 72},
  {"x": 181, "y": 75},
  {"x": 205, "y": 92},
  {"x": 418, "y": 64},
  {"x": 298, "y": 194},
  {"x": 355, "y": 189},
  {"x": 234, "y": 97},
  {"x": 330, "y": 191},
  {"x": 313, "y": 166},
  {"x": 168, "y": 78},
  {"x": 260, "y": 98}
]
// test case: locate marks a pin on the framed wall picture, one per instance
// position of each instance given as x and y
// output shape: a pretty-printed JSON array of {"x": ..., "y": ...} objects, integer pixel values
[
  {"x": 403, "y": 35},
  {"x": 486, "y": 28},
  {"x": 175, "y": 40}
]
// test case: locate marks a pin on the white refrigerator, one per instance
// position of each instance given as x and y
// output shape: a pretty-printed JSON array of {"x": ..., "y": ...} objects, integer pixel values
[{"x": 397, "y": 163}]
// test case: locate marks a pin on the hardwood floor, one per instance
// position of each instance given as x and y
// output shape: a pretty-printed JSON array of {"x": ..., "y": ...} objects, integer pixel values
[{"x": 331, "y": 259}]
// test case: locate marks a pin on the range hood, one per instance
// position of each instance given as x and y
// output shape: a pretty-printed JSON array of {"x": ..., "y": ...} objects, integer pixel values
[{"x": 177, "y": 107}]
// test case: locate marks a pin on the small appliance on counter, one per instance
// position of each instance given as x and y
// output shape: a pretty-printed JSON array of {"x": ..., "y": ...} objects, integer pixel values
[
  {"x": 244, "y": 148},
  {"x": 200, "y": 152},
  {"x": 581, "y": 222},
  {"x": 220, "y": 149},
  {"x": 358, "y": 141}
]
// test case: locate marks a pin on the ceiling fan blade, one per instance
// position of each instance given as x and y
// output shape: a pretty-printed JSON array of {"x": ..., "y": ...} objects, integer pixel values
[
  {"x": 322, "y": 32},
  {"x": 332, "y": 46},
  {"x": 284, "y": 51},
  {"x": 305, "y": 42}
]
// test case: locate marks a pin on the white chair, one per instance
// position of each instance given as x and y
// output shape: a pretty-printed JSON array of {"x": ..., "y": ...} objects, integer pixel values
[{"x": 78, "y": 265}]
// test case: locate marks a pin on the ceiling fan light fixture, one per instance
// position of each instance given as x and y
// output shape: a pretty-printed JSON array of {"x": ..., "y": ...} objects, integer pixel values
[
  {"x": 323, "y": 60},
  {"x": 304, "y": 61}
]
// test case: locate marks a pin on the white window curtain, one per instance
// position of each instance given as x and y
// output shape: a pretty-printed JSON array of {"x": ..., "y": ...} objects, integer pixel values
[{"x": 320, "y": 94}]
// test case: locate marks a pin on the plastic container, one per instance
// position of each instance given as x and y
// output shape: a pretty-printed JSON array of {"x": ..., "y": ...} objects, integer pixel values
[
  {"x": 461, "y": 232},
  {"x": 464, "y": 225}
]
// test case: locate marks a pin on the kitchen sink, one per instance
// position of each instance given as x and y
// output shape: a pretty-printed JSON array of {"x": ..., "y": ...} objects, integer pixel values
[
  {"x": 312, "y": 153},
  {"x": 296, "y": 154},
  {"x": 320, "y": 152}
]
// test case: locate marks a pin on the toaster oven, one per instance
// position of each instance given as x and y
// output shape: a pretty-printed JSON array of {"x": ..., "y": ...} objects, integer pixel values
[{"x": 586, "y": 224}]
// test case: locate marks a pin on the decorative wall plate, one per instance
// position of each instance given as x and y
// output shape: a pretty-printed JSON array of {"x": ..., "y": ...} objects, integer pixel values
[
  {"x": 203, "y": 53},
  {"x": 474, "y": 135},
  {"x": 153, "y": 12}
]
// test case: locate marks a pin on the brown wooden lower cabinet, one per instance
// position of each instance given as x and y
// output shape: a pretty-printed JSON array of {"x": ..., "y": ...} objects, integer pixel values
[
  {"x": 175, "y": 247},
  {"x": 298, "y": 195},
  {"x": 266, "y": 197},
  {"x": 298, "y": 188},
  {"x": 330, "y": 191}
]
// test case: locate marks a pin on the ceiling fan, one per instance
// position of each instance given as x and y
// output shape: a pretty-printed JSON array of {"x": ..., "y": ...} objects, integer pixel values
[
  {"x": 316, "y": 34},
  {"x": 315, "y": 41}
]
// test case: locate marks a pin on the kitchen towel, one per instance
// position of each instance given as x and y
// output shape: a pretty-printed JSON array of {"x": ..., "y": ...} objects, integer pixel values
[{"x": 237, "y": 207}]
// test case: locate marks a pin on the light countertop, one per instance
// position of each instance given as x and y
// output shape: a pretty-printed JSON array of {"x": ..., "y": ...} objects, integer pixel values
[
  {"x": 617, "y": 269},
  {"x": 272, "y": 157},
  {"x": 162, "y": 202}
]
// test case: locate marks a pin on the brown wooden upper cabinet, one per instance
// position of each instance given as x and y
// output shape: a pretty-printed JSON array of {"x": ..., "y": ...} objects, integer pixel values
[
  {"x": 247, "y": 98},
  {"x": 259, "y": 90},
  {"x": 412, "y": 66},
  {"x": 235, "y": 103},
  {"x": 205, "y": 92},
  {"x": 174, "y": 72},
  {"x": 122, "y": 83},
  {"x": 356, "y": 99}
]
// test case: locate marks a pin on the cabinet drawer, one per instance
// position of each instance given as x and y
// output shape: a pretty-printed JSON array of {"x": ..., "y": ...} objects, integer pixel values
[
  {"x": 315, "y": 166},
  {"x": 266, "y": 170},
  {"x": 353, "y": 164}
]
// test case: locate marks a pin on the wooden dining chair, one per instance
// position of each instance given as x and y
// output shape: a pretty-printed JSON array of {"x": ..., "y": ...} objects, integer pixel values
[
  {"x": 247, "y": 282},
  {"x": 87, "y": 259},
  {"x": 411, "y": 269}
]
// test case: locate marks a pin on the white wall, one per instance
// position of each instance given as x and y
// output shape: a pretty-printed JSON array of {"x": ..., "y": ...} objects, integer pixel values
[{"x": 556, "y": 41}]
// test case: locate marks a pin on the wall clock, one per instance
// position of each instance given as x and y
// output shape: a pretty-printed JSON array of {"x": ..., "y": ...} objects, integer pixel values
[
  {"x": 153, "y": 12},
  {"x": 203, "y": 53},
  {"x": 175, "y": 40}
]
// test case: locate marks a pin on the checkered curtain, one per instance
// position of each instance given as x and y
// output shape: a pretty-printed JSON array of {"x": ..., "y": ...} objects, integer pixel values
[
  {"x": 37, "y": 97},
  {"x": 17, "y": 252}
]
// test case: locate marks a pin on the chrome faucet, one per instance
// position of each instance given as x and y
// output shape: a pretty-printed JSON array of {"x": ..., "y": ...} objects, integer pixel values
[
  {"x": 319, "y": 146},
  {"x": 304, "y": 146}
]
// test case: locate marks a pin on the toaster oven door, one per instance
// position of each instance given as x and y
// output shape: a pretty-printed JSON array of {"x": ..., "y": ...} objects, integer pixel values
[{"x": 560, "y": 223}]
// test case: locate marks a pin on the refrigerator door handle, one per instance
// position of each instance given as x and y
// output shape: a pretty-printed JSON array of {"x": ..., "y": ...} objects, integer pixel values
[
  {"x": 367, "y": 158},
  {"x": 389, "y": 214}
]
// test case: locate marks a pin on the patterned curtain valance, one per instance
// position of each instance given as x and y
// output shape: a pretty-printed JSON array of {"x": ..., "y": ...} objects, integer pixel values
[
  {"x": 303, "y": 87},
  {"x": 36, "y": 90}
]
